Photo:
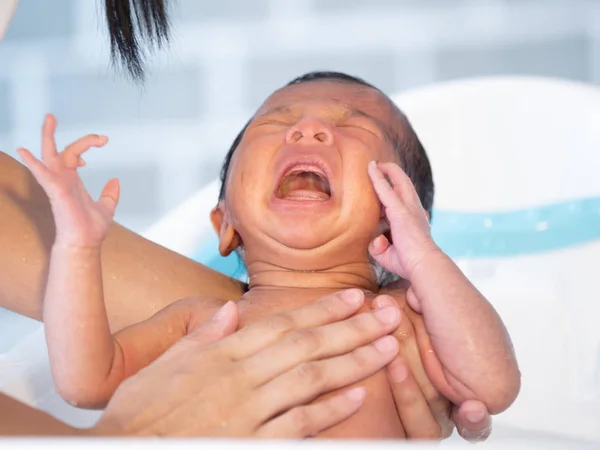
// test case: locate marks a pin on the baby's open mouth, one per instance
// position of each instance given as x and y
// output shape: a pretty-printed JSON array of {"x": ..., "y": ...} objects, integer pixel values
[{"x": 304, "y": 184}]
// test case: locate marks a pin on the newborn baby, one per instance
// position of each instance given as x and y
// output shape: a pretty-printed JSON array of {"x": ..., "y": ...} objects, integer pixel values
[{"x": 316, "y": 199}]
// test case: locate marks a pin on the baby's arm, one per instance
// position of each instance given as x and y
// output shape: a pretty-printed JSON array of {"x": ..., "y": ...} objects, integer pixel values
[
  {"x": 476, "y": 357},
  {"x": 87, "y": 362},
  {"x": 91, "y": 381},
  {"x": 82, "y": 351},
  {"x": 78, "y": 336}
]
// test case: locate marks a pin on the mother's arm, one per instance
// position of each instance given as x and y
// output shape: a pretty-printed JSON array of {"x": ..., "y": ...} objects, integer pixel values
[{"x": 140, "y": 277}]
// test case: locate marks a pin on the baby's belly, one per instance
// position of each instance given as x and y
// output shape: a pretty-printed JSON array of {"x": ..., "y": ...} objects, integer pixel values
[{"x": 376, "y": 419}]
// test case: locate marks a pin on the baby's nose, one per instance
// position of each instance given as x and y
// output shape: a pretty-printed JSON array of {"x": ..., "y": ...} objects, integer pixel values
[{"x": 308, "y": 131}]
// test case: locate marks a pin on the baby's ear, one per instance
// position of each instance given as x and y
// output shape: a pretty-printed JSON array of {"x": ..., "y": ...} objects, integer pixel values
[{"x": 229, "y": 239}]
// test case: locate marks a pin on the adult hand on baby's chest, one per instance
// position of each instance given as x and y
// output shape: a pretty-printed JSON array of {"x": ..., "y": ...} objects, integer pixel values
[
  {"x": 256, "y": 381},
  {"x": 251, "y": 311},
  {"x": 257, "y": 306},
  {"x": 423, "y": 411}
]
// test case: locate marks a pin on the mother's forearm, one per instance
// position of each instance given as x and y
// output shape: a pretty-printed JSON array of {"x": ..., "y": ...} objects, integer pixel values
[
  {"x": 18, "y": 419},
  {"x": 140, "y": 277}
]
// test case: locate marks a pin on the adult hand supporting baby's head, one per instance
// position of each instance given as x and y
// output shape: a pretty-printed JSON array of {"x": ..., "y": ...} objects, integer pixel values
[{"x": 258, "y": 381}]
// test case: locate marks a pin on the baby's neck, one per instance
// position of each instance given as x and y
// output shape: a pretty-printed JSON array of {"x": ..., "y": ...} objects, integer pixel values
[
  {"x": 265, "y": 277},
  {"x": 258, "y": 302},
  {"x": 274, "y": 289}
]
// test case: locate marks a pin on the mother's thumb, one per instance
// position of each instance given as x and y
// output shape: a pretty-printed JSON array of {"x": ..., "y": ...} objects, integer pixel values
[{"x": 223, "y": 323}]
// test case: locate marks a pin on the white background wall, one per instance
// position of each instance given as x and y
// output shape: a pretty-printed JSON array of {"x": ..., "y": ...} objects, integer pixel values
[{"x": 168, "y": 138}]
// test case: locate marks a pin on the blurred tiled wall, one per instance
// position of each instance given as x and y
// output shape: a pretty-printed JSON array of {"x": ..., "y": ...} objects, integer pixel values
[{"x": 169, "y": 136}]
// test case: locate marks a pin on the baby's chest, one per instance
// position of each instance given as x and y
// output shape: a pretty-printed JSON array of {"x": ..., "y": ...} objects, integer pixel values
[{"x": 378, "y": 417}]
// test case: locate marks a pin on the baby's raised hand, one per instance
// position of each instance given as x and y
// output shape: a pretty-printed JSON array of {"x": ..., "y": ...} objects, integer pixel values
[
  {"x": 409, "y": 225},
  {"x": 80, "y": 221}
]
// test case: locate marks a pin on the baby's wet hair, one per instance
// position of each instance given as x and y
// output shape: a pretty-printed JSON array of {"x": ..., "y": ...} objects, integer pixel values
[{"x": 405, "y": 141}]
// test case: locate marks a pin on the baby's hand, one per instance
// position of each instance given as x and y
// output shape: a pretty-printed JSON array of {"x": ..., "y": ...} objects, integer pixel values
[
  {"x": 80, "y": 221},
  {"x": 409, "y": 225}
]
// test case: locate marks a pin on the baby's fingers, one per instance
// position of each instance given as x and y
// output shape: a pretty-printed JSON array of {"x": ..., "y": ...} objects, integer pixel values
[
  {"x": 472, "y": 421},
  {"x": 49, "y": 153},
  {"x": 109, "y": 198},
  {"x": 40, "y": 172},
  {"x": 385, "y": 192},
  {"x": 384, "y": 253},
  {"x": 71, "y": 156},
  {"x": 402, "y": 184}
]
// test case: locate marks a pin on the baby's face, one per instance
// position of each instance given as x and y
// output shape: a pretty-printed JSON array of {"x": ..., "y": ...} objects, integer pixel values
[{"x": 298, "y": 181}]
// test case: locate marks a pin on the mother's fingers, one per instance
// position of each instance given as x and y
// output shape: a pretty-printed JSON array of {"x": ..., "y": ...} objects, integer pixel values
[
  {"x": 409, "y": 348},
  {"x": 421, "y": 419},
  {"x": 223, "y": 323},
  {"x": 414, "y": 342},
  {"x": 330, "y": 309},
  {"x": 306, "y": 421},
  {"x": 318, "y": 343},
  {"x": 418, "y": 419},
  {"x": 307, "y": 381}
]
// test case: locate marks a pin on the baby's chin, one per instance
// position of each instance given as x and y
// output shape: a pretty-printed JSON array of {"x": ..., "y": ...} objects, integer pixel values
[
  {"x": 299, "y": 241},
  {"x": 302, "y": 237},
  {"x": 311, "y": 251}
]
